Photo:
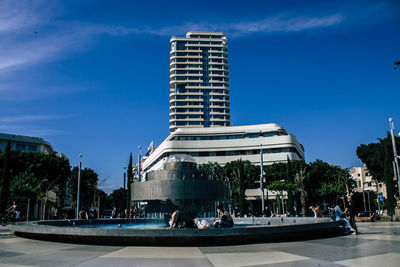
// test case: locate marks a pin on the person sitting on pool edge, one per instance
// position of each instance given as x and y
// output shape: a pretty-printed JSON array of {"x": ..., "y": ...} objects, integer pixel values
[
  {"x": 226, "y": 220},
  {"x": 173, "y": 223}
]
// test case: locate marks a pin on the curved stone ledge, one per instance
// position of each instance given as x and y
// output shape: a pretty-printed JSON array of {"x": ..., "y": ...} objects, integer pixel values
[{"x": 60, "y": 231}]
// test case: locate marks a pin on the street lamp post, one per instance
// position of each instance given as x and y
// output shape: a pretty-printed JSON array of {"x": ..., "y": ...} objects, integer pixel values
[
  {"x": 139, "y": 159},
  {"x": 124, "y": 176},
  {"x": 396, "y": 158},
  {"x": 261, "y": 179},
  {"x": 79, "y": 186},
  {"x": 124, "y": 198},
  {"x": 365, "y": 208},
  {"x": 124, "y": 194}
]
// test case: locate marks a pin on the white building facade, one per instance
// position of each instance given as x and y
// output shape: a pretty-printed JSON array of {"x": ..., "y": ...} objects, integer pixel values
[
  {"x": 199, "y": 81},
  {"x": 365, "y": 182},
  {"x": 226, "y": 144}
]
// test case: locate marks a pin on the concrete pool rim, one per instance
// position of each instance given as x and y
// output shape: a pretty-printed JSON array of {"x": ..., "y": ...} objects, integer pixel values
[{"x": 290, "y": 229}]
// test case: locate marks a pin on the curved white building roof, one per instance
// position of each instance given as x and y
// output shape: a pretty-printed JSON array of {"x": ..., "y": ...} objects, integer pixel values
[{"x": 225, "y": 144}]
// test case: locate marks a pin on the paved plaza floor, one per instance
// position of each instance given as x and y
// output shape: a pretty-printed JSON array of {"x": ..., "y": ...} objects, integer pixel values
[{"x": 378, "y": 244}]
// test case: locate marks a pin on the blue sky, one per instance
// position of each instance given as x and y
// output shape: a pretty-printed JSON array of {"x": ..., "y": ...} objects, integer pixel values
[{"x": 92, "y": 77}]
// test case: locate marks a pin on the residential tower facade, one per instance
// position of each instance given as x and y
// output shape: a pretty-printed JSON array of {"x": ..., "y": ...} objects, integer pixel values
[{"x": 199, "y": 81}]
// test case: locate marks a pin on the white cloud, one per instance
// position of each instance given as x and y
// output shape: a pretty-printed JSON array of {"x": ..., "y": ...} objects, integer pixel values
[
  {"x": 25, "y": 124},
  {"x": 23, "y": 14},
  {"x": 276, "y": 24},
  {"x": 55, "y": 38},
  {"x": 29, "y": 131},
  {"x": 285, "y": 24},
  {"x": 17, "y": 52},
  {"x": 31, "y": 35},
  {"x": 28, "y": 118}
]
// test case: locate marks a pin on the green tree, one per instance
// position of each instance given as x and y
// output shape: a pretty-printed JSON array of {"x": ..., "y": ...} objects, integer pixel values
[
  {"x": 26, "y": 184},
  {"x": 40, "y": 172},
  {"x": 378, "y": 158},
  {"x": 280, "y": 186},
  {"x": 117, "y": 199},
  {"x": 324, "y": 180},
  {"x": 105, "y": 201},
  {"x": 130, "y": 180},
  {"x": 213, "y": 170},
  {"x": 290, "y": 181},
  {"x": 388, "y": 174},
  {"x": 241, "y": 175},
  {"x": 89, "y": 180},
  {"x": 299, "y": 180},
  {"x": 5, "y": 178}
]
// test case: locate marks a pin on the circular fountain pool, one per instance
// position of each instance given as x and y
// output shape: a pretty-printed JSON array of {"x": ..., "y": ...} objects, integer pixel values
[{"x": 153, "y": 231}]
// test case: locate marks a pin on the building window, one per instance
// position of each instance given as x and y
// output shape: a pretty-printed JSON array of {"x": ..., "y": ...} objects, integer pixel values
[
  {"x": 32, "y": 148},
  {"x": 20, "y": 147},
  {"x": 235, "y": 136},
  {"x": 252, "y": 135}
]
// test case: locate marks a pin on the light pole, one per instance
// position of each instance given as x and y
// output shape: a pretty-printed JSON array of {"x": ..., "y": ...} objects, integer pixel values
[
  {"x": 365, "y": 208},
  {"x": 377, "y": 196},
  {"x": 124, "y": 194},
  {"x": 396, "y": 158},
  {"x": 139, "y": 158},
  {"x": 79, "y": 186},
  {"x": 261, "y": 179},
  {"x": 124, "y": 176},
  {"x": 365, "y": 203}
]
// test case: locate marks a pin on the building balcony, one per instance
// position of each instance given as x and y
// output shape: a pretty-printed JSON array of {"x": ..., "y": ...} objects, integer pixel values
[
  {"x": 219, "y": 75},
  {"x": 219, "y": 68},
  {"x": 186, "y": 93},
  {"x": 205, "y": 45},
  {"x": 187, "y": 51},
  {"x": 187, "y": 119},
  {"x": 186, "y": 74},
  {"x": 187, "y": 68},
  {"x": 199, "y": 57},
  {"x": 217, "y": 81},
  {"x": 186, "y": 106},
  {"x": 186, "y": 81}
]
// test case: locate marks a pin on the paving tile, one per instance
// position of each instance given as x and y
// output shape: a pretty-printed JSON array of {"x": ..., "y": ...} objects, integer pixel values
[
  {"x": 249, "y": 258},
  {"x": 327, "y": 252},
  {"x": 301, "y": 263},
  {"x": 15, "y": 265},
  {"x": 53, "y": 258},
  {"x": 377, "y": 245},
  {"x": 387, "y": 260},
  {"x": 239, "y": 248},
  {"x": 343, "y": 241},
  {"x": 92, "y": 248},
  {"x": 380, "y": 237},
  {"x": 28, "y": 246},
  {"x": 8, "y": 254},
  {"x": 156, "y": 253},
  {"x": 11, "y": 240},
  {"x": 124, "y": 262}
]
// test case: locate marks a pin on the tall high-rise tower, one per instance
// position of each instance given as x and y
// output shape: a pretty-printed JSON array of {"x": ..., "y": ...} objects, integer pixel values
[{"x": 199, "y": 81}]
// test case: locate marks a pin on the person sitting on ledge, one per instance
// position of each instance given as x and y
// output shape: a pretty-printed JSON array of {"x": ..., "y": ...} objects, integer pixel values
[
  {"x": 340, "y": 217},
  {"x": 226, "y": 220},
  {"x": 174, "y": 218},
  {"x": 83, "y": 215},
  {"x": 201, "y": 224}
]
